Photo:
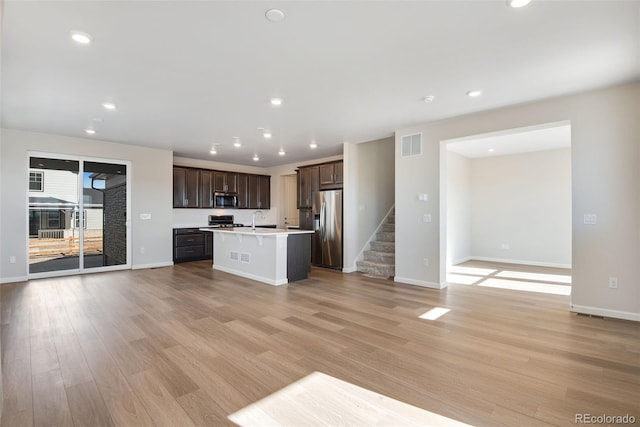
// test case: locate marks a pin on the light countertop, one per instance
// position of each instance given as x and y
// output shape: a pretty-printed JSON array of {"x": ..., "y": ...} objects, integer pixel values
[{"x": 257, "y": 231}]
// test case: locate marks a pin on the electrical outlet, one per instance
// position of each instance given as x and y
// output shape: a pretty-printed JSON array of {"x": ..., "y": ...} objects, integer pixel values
[
  {"x": 505, "y": 246},
  {"x": 12, "y": 259},
  {"x": 426, "y": 262},
  {"x": 142, "y": 250},
  {"x": 613, "y": 282},
  {"x": 590, "y": 219},
  {"x": 426, "y": 218}
]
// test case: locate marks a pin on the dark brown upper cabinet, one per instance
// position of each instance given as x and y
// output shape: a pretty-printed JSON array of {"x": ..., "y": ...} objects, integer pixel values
[
  {"x": 194, "y": 188},
  {"x": 206, "y": 189},
  {"x": 225, "y": 182},
  {"x": 331, "y": 175},
  {"x": 186, "y": 187},
  {"x": 308, "y": 183}
]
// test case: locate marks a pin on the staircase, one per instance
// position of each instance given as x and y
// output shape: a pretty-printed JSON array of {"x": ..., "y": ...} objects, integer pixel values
[{"x": 380, "y": 260}]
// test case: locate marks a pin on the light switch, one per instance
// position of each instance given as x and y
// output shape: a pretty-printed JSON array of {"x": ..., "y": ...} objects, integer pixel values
[
  {"x": 423, "y": 197},
  {"x": 426, "y": 218},
  {"x": 590, "y": 219},
  {"x": 145, "y": 216}
]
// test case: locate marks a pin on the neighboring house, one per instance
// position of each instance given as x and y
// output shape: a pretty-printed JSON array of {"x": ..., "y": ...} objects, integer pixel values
[{"x": 53, "y": 205}]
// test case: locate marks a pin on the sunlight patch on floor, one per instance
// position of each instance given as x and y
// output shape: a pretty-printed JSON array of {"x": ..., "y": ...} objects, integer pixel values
[
  {"x": 558, "y": 278},
  {"x": 545, "y": 288},
  {"x": 458, "y": 269},
  {"x": 321, "y": 400},
  {"x": 461, "y": 279},
  {"x": 434, "y": 313}
]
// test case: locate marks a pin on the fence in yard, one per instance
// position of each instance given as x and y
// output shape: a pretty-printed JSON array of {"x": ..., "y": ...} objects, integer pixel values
[{"x": 65, "y": 246}]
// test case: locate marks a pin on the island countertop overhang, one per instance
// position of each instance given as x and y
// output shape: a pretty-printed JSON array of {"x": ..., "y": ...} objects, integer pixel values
[{"x": 256, "y": 232}]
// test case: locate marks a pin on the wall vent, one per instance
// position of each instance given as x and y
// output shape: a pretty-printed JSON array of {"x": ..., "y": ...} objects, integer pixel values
[
  {"x": 411, "y": 145},
  {"x": 245, "y": 257},
  {"x": 235, "y": 256}
]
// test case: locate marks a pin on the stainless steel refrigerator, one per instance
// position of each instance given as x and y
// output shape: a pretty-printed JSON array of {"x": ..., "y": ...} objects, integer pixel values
[{"x": 327, "y": 224}]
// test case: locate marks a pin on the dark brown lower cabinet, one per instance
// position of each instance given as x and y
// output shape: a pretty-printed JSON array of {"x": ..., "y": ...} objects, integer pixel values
[{"x": 191, "y": 244}]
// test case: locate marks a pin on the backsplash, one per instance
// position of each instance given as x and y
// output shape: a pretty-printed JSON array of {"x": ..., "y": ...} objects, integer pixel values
[{"x": 200, "y": 217}]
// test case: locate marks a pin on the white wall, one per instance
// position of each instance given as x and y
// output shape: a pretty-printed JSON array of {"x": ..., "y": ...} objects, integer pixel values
[
  {"x": 151, "y": 192},
  {"x": 458, "y": 208},
  {"x": 522, "y": 201},
  {"x": 368, "y": 194},
  {"x": 605, "y": 181}
]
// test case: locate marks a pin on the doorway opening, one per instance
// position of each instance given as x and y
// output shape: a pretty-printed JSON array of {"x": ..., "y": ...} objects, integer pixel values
[
  {"x": 78, "y": 215},
  {"x": 507, "y": 197}
]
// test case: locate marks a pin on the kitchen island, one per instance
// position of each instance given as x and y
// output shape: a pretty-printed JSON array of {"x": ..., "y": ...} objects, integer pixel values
[{"x": 269, "y": 255}]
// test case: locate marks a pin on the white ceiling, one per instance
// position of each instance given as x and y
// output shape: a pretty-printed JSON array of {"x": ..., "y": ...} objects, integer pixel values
[
  {"x": 187, "y": 75},
  {"x": 513, "y": 141}
]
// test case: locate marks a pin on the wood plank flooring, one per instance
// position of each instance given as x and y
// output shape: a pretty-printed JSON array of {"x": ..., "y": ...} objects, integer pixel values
[{"x": 187, "y": 345}]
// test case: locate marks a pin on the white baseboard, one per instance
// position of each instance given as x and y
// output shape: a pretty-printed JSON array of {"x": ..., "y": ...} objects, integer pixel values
[
  {"x": 422, "y": 283},
  {"x": 518, "y": 261},
  {"x": 461, "y": 260},
  {"x": 152, "y": 265},
  {"x": 351, "y": 269},
  {"x": 13, "y": 279},
  {"x": 266, "y": 280},
  {"x": 615, "y": 314}
]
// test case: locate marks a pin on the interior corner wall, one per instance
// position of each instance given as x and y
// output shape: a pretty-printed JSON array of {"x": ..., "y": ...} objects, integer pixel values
[
  {"x": 521, "y": 208},
  {"x": 605, "y": 180},
  {"x": 368, "y": 194},
  {"x": 151, "y": 193},
  {"x": 458, "y": 208}
]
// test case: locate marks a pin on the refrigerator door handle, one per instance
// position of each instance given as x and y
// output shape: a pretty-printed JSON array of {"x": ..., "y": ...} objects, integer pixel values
[{"x": 322, "y": 222}]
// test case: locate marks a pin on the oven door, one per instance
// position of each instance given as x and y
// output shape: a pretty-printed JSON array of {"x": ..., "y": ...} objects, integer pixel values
[{"x": 225, "y": 200}]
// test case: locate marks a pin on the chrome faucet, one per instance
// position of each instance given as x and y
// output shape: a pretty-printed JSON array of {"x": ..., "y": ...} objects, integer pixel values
[{"x": 253, "y": 219}]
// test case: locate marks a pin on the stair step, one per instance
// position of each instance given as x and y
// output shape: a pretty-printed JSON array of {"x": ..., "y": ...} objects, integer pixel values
[
  {"x": 386, "y": 236},
  {"x": 383, "y": 246},
  {"x": 391, "y": 219},
  {"x": 381, "y": 257},
  {"x": 376, "y": 268},
  {"x": 389, "y": 227}
]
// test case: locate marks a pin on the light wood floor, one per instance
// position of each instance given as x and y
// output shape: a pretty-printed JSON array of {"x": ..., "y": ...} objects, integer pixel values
[{"x": 186, "y": 345}]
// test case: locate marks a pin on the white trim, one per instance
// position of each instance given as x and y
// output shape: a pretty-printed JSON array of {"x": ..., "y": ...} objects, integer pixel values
[
  {"x": 516, "y": 261},
  {"x": 422, "y": 283},
  {"x": 13, "y": 279},
  {"x": 360, "y": 256},
  {"x": 460, "y": 261},
  {"x": 615, "y": 314},
  {"x": 152, "y": 265},
  {"x": 262, "y": 279}
]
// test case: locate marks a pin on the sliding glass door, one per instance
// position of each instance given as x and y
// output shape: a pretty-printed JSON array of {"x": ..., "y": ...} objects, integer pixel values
[{"x": 78, "y": 215}]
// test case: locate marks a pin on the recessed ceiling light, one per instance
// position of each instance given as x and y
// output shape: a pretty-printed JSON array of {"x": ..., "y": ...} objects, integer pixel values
[
  {"x": 313, "y": 145},
  {"x": 276, "y": 101},
  {"x": 255, "y": 158},
  {"x": 80, "y": 37},
  {"x": 518, "y": 3},
  {"x": 267, "y": 134},
  {"x": 237, "y": 144},
  {"x": 274, "y": 15},
  {"x": 213, "y": 151},
  {"x": 491, "y": 150},
  {"x": 428, "y": 99},
  {"x": 281, "y": 152},
  {"x": 474, "y": 93},
  {"x": 109, "y": 105},
  {"x": 90, "y": 131}
]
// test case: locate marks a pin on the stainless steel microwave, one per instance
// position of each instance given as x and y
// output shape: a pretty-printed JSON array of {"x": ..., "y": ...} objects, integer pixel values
[{"x": 225, "y": 200}]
